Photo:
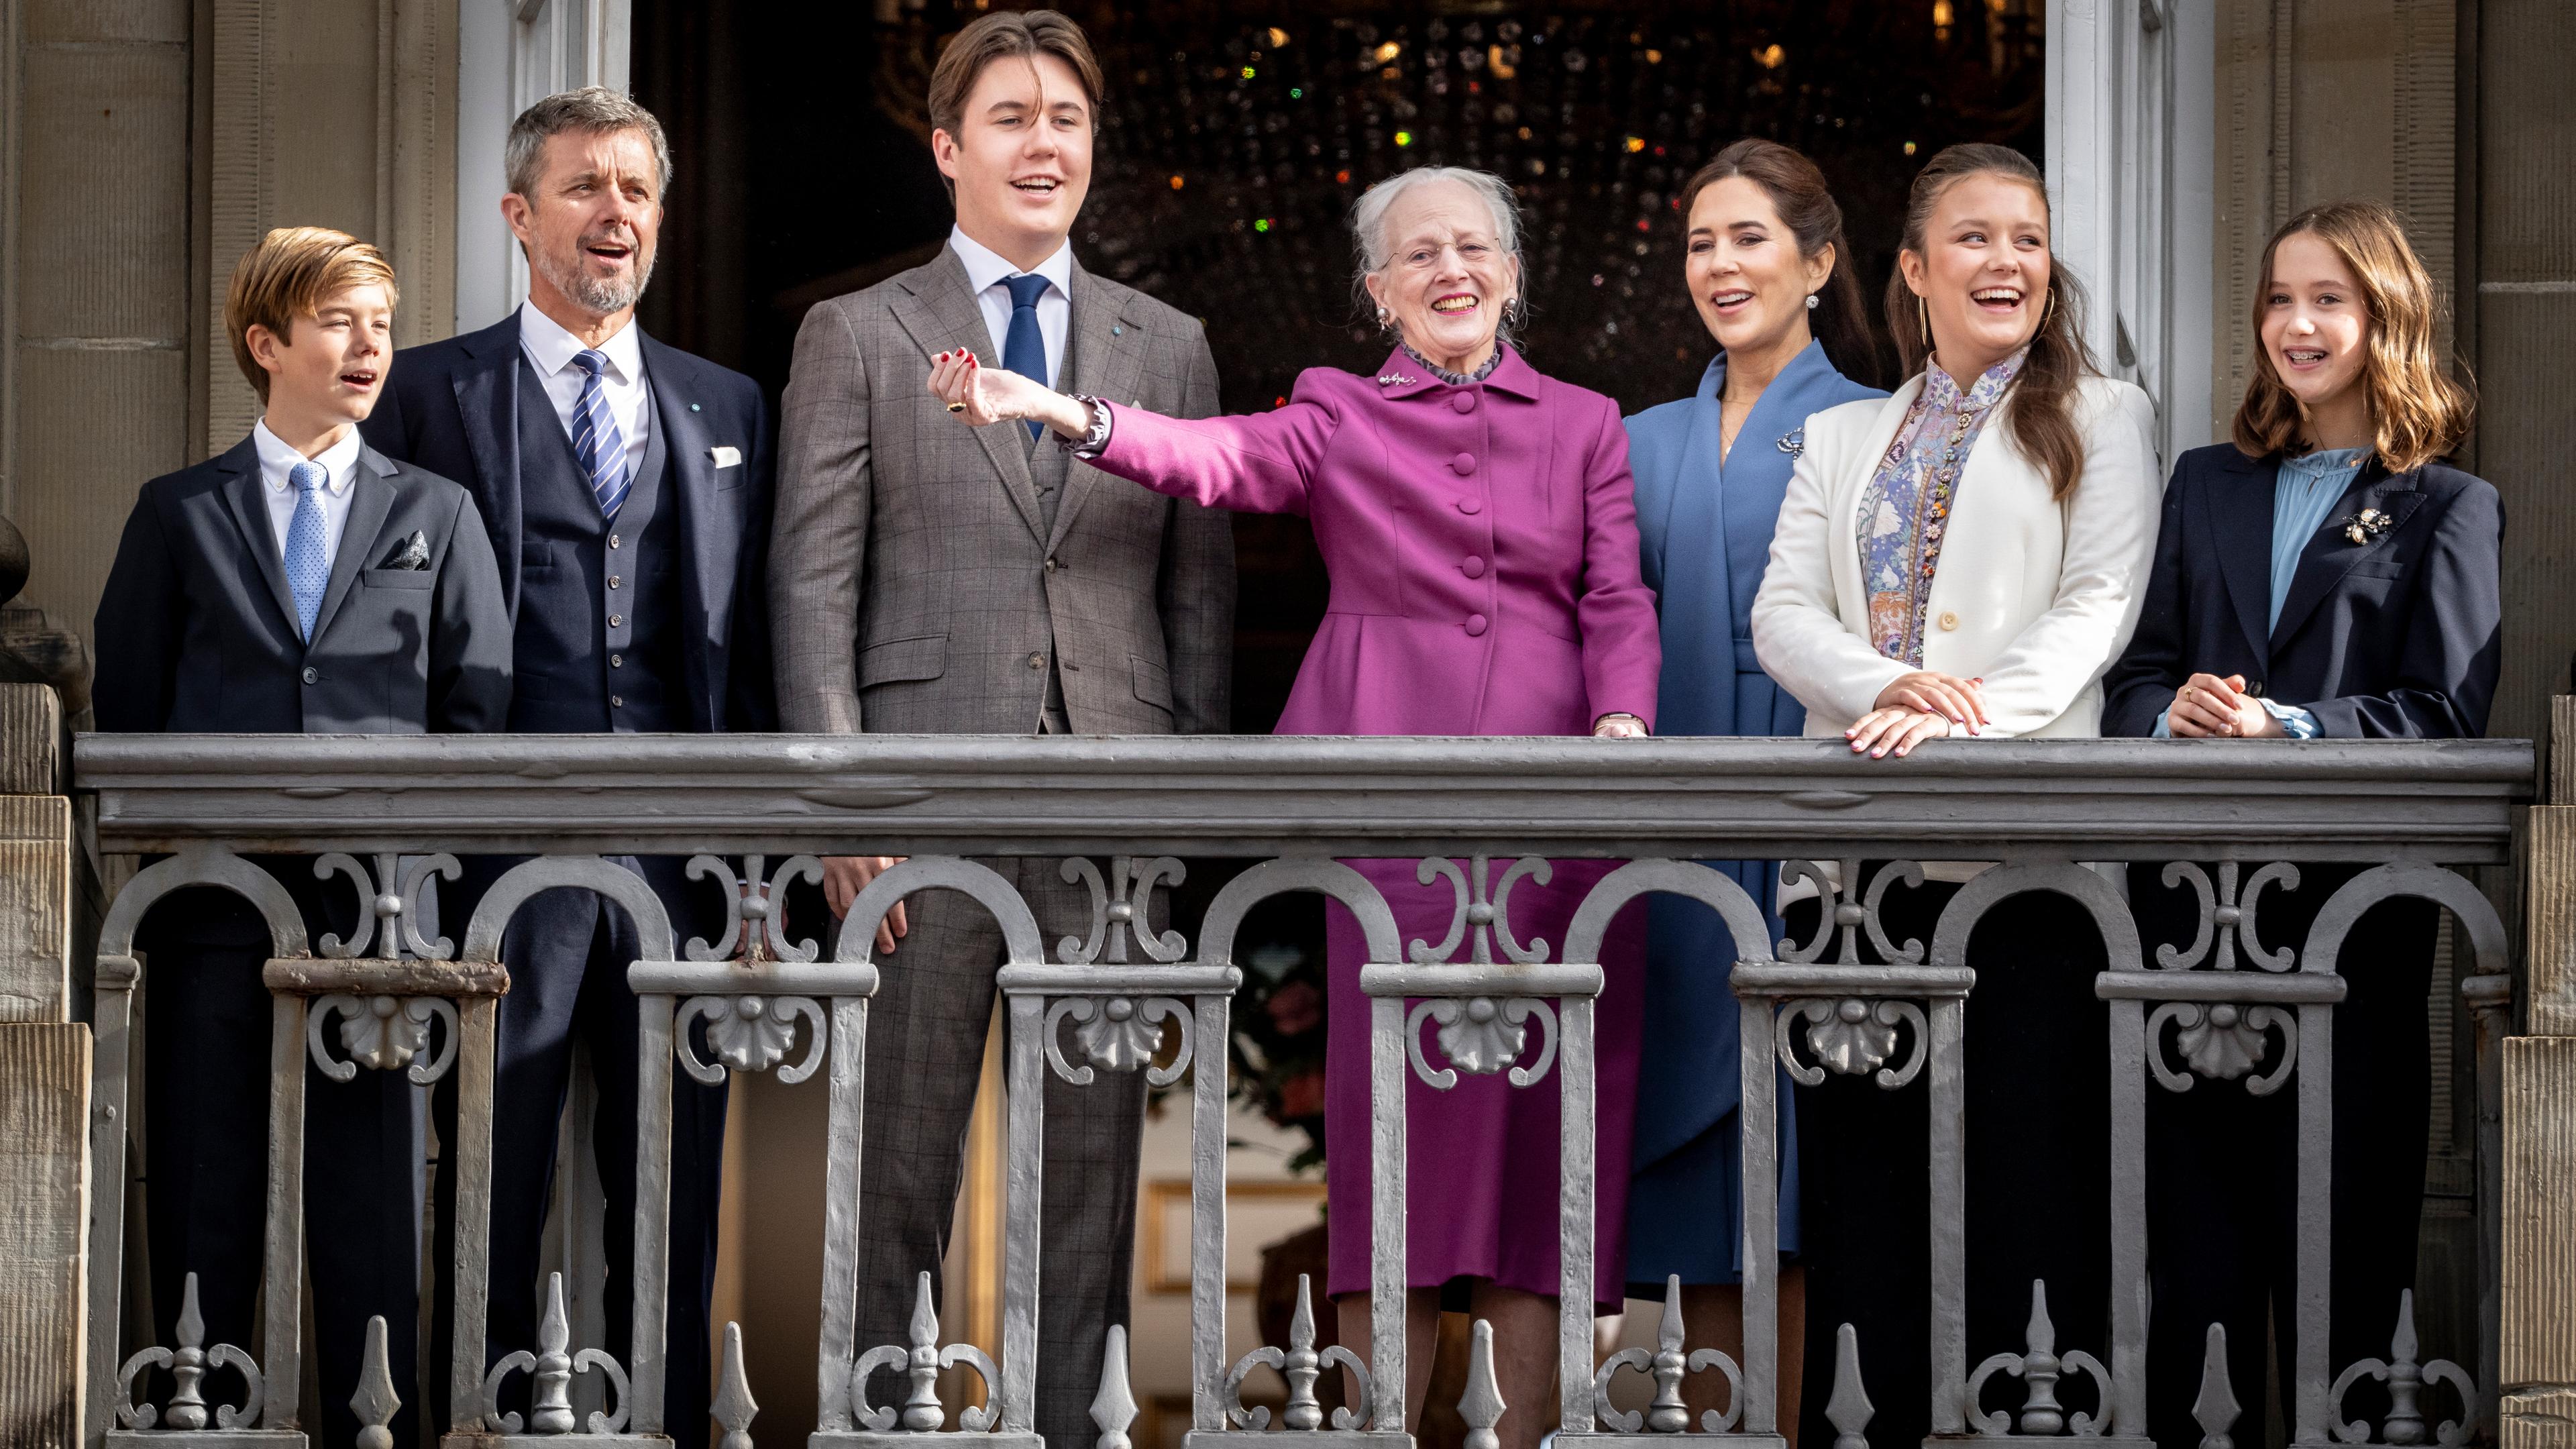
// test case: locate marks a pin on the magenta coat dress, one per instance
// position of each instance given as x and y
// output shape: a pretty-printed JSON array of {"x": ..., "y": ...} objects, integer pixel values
[{"x": 1482, "y": 543}]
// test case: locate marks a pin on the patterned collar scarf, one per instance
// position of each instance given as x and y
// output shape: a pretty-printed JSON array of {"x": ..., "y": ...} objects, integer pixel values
[
  {"x": 1456, "y": 379},
  {"x": 1906, "y": 508}
]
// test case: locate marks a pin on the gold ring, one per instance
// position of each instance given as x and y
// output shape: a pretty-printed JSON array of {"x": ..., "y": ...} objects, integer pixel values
[{"x": 957, "y": 407}]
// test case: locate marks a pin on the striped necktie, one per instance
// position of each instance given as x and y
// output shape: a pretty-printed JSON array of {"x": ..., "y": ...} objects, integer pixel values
[{"x": 595, "y": 439}]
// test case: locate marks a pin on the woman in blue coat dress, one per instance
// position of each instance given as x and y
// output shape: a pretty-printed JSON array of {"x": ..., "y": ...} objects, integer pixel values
[{"x": 1770, "y": 273}]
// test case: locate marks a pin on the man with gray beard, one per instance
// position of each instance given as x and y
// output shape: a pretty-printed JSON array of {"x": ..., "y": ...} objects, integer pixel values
[{"x": 626, "y": 486}]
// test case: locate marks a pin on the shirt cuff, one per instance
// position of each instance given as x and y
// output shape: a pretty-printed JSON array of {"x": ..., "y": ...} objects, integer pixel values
[
  {"x": 1095, "y": 440},
  {"x": 2297, "y": 723},
  {"x": 2164, "y": 727}
]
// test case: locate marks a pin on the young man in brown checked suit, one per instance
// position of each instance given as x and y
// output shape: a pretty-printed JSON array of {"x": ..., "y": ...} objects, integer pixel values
[{"x": 930, "y": 578}]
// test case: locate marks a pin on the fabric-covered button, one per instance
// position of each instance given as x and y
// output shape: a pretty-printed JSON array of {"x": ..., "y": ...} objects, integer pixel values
[
  {"x": 312, "y": 675},
  {"x": 1949, "y": 620},
  {"x": 1475, "y": 625},
  {"x": 1471, "y": 505},
  {"x": 1463, "y": 464},
  {"x": 1037, "y": 661},
  {"x": 1472, "y": 566},
  {"x": 1464, "y": 402}
]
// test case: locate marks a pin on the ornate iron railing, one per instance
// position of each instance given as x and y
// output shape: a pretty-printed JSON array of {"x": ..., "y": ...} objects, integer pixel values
[{"x": 385, "y": 815}]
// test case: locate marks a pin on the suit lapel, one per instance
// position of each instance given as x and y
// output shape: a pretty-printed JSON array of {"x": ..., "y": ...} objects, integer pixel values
[
  {"x": 2330, "y": 554},
  {"x": 371, "y": 498},
  {"x": 941, "y": 317},
  {"x": 243, "y": 499},
  {"x": 1108, "y": 358},
  {"x": 2240, "y": 524},
  {"x": 706, "y": 532},
  {"x": 487, "y": 404}
]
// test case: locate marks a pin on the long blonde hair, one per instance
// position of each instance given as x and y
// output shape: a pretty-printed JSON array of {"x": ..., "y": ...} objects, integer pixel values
[{"x": 2417, "y": 412}]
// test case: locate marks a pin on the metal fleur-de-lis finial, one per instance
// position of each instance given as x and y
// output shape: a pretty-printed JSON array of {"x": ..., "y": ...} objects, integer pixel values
[
  {"x": 2216, "y": 1408},
  {"x": 2406, "y": 1379},
  {"x": 1482, "y": 1405},
  {"x": 733, "y": 1407},
  {"x": 2040, "y": 1368},
  {"x": 550, "y": 1369},
  {"x": 920, "y": 1362},
  {"x": 188, "y": 1363},
  {"x": 1668, "y": 1366},
  {"x": 1301, "y": 1364},
  {"x": 1113, "y": 1409},
  {"x": 375, "y": 1402},
  {"x": 1849, "y": 1410}
]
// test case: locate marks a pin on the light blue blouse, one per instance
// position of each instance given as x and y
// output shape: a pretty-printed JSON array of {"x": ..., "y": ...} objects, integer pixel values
[{"x": 2304, "y": 491}]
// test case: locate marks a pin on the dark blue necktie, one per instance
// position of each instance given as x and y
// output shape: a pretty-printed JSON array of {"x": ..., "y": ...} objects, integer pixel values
[{"x": 1024, "y": 346}]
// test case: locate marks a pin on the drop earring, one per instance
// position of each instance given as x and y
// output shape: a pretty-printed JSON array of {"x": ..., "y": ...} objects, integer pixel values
[
  {"x": 1811, "y": 301},
  {"x": 1384, "y": 317}
]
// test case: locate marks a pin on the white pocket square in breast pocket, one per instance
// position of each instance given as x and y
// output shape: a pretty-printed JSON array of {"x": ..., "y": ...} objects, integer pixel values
[{"x": 726, "y": 457}]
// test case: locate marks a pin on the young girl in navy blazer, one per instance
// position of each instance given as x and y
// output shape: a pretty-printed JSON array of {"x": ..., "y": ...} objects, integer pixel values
[{"x": 2325, "y": 575}]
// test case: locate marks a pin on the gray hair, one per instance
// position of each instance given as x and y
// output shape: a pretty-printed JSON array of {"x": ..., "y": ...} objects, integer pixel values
[
  {"x": 591, "y": 110},
  {"x": 1370, "y": 241}
]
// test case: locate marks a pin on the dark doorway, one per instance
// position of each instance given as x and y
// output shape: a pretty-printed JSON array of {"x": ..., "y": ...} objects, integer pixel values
[{"x": 1235, "y": 137}]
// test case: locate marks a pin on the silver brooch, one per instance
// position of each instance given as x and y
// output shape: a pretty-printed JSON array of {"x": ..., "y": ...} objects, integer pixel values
[
  {"x": 1795, "y": 442},
  {"x": 2366, "y": 525},
  {"x": 1393, "y": 379}
]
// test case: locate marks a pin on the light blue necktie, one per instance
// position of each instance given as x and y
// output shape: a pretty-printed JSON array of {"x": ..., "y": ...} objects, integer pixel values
[
  {"x": 1024, "y": 346},
  {"x": 308, "y": 570},
  {"x": 595, "y": 439}
]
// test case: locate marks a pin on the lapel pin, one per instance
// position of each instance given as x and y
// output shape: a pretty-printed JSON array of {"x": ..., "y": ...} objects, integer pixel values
[
  {"x": 2366, "y": 525},
  {"x": 1117, "y": 331},
  {"x": 693, "y": 407},
  {"x": 1794, "y": 442}
]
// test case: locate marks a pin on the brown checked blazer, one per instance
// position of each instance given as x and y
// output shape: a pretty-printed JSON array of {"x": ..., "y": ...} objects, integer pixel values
[{"x": 914, "y": 575}]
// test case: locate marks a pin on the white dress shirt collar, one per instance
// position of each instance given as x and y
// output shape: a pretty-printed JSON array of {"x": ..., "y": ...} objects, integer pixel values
[
  {"x": 277, "y": 460},
  {"x": 985, "y": 266},
  {"x": 551, "y": 347}
]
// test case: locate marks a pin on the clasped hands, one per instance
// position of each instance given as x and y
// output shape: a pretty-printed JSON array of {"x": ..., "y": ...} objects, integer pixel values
[
  {"x": 1924, "y": 705},
  {"x": 2208, "y": 707}
]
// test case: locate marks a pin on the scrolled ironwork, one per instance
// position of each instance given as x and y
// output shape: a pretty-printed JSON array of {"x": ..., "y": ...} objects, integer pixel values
[
  {"x": 750, "y": 1033},
  {"x": 551, "y": 1369},
  {"x": 1481, "y": 1035},
  {"x": 530, "y": 878},
  {"x": 2040, "y": 1368},
  {"x": 1482, "y": 914},
  {"x": 1118, "y": 909},
  {"x": 1668, "y": 1365},
  {"x": 383, "y": 1033},
  {"x": 920, "y": 1362},
  {"x": 2407, "y": 1380},
  {"x": 1117, "y": 1034},
  {"x": 388, "y": 900},
  {"x": 2221, "y": 1040},
  {"x": 1852, "y": 911},
  {"x": 1852, "y": 1036},
  {"x": 755, "y": 926},
  {"x": 189, "y": 1363},
  {"x": 1301, "y": 1364},
  {"x": 2227, "y": 916}
]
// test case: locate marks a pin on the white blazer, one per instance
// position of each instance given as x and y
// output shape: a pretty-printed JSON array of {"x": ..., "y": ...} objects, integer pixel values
[{"x": 2035, "y": 597}]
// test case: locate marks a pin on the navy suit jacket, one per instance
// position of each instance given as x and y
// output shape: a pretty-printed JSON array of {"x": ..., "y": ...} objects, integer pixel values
[
  {"x": 197, "y": 630},
  {"x": 2396, "y": 637},
  {"x": 453, "y": 407}
]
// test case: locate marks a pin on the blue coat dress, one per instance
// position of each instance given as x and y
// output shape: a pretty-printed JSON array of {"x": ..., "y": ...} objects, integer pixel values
[{"x": 1707, "y": 535}]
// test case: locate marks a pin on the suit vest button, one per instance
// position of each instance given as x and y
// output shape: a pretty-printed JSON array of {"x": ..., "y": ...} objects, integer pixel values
[
  {"x": 1037, "y": 661},
  {"x": 312, "y": 675}
]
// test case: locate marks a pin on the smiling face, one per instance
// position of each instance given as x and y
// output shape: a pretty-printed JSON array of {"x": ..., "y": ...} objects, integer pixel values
[
  {"x": 2316, "y": 327},
  {"x": 330, "y": 367},
  {"x": 1745, "y": 274},
  {"x": 1447, "y": 275},
  {"x": 590, "y": 226},
  {"x": 1983, "y": 271},
  {"x": 1020, "y": 157}
]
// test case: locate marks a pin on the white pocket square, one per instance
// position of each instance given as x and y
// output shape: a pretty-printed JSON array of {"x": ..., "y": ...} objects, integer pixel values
[{"x": 726, "y": 457}]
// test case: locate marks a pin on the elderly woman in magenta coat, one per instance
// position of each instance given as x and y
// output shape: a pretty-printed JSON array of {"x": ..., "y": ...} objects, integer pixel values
[
  {"x": 1479, "y": 524},
  {"x": 1769, "y": 271}
]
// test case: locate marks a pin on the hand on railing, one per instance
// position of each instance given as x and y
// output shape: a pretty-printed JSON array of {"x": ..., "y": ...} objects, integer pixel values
[
  {"x": 1619, "y": 727},
  {"x": 844, "y": 876}
]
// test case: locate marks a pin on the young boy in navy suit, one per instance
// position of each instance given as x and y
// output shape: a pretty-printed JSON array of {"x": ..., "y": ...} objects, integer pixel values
[{"x": 301, "y": 582}]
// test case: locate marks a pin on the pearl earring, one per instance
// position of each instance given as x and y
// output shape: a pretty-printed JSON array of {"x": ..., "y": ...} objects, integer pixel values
[{"x": 1384, "y": 316}]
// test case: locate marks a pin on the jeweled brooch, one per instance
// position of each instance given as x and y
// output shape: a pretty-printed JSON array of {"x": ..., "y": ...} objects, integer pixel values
[
  {"x": 2366, "y": 525},
  {"x": 1393, "y": 379},
  {"x": 1794, "y": 443}
]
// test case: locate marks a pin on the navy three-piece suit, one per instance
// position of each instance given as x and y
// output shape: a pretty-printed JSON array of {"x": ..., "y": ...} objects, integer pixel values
[
  {"x": 197, "y": 633},
  {"x": 653, "y": 621}
]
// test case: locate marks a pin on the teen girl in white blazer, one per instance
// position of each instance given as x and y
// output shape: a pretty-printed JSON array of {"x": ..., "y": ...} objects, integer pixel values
[{"x": 1965, "y": 558}]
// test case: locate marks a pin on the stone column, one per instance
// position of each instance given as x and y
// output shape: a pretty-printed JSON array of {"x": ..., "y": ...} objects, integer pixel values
[{"x": 2537, "y": 1344}]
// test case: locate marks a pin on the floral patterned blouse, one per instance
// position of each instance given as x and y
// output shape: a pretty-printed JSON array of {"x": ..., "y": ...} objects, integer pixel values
[{"x": 1906, "y": 507}]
